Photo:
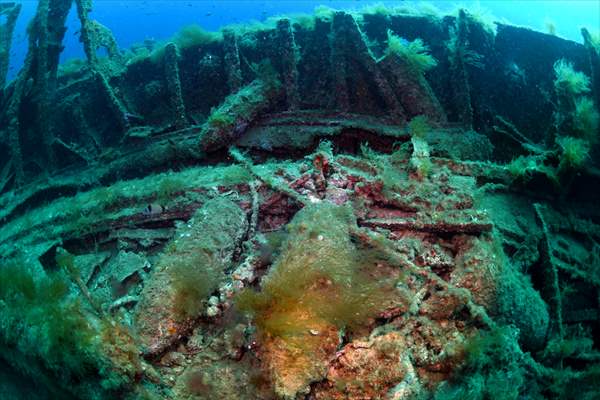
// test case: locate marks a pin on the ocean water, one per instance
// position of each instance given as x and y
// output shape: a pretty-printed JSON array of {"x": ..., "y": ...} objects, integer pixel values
[{"x": 310, "y": 200}]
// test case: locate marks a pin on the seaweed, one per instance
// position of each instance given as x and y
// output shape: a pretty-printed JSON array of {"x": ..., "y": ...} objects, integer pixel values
[
  {"x": 318, "y": 272},
  {"x": 574, "y": 344},
  {"x": 219, "y": 119},
  {"x": 192, "y": 281},
  {"x": 522, "y": 168},
  {"x": 420, "y": 161},
  {"x": 586, "y": 119},
  {"x": 574, "y": 152},
  {"x": 194, "y": 36},
  {"x": 189, "y": 269},
  {"x": 53, "y": 330},
  {"x": 492, "y": 360},
  {"x": 418, "y": 126},
  {"x": 550, "y": 26},
  {"x": 169, "y": 186},
  {"x": 187, "y": 37},
  {"x": 324, "y": 13},
  {"x": 547, "y": 165},
  {"x": 377, "y": 9},
  {"x": 568, "y": 81},
  {"x": 595, "y": 41},
  {"x": 71, "y": 67},
  {"x": 482, "y": 17},
  {"x": 568, "y": 382},
  {"x": 415, "y": 53},
  {"x": 315, "y": 290}
]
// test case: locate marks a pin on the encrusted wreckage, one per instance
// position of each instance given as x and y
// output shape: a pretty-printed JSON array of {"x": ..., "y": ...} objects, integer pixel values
[{"x": 323, "y": 207}]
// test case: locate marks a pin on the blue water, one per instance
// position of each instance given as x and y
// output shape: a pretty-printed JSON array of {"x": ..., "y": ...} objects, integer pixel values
[{"x": 132, "y": 21}]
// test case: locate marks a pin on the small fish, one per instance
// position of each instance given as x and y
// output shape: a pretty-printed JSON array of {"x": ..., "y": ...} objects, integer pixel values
[
  {"x": 130, "y": 117},
  {"x": 153, "y": 210}
]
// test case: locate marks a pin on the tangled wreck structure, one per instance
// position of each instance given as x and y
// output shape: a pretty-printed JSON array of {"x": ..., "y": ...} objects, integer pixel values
[{"x": 299, "y": 210}]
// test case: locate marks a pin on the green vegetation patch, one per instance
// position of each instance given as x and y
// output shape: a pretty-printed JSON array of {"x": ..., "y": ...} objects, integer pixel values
[
  {"x": 55, "y": 333},
  {"x": 494, "y": 368},
  {"x": 195, "y": 260},
  {"x": 574, "y": 152},
  {"x": 318, "y": 271},
  {"x": 194, "y": 36},
  {"x": 415, "y": 53},
  {"x": 568, "y": 81},
  {"x": 586, "y": 119}
]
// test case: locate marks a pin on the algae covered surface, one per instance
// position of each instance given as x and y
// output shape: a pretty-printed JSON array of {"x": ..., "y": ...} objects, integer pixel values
[{"x": 390, "y": 203}]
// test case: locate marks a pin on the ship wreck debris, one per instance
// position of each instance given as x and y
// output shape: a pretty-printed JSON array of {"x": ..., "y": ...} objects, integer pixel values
[{"x": 296, "y": 210}]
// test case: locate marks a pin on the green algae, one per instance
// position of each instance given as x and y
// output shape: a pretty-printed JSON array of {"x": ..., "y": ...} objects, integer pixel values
[
  {"x": 419, "y": 126},
  {"x": 415, "y": 53},
  {"x": 194, "y": 260},
  {"x": 568, "y": 81},
  {"x": 316, "y": 291},
  {"x": 55, "y": 333},
  {"x": 190, "y": 268},
  {"x": 82, "y": 212},
  {"x": 219, "y": 119},
  {"x": 190, "y": 36},
  {"x": 318, "y": 271},
  {"x": 193, "y": 280},
  {"x": 574, "y": 152},
  {"x": 492, "y": 360},
  {"x": 586, "y": 120}
]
